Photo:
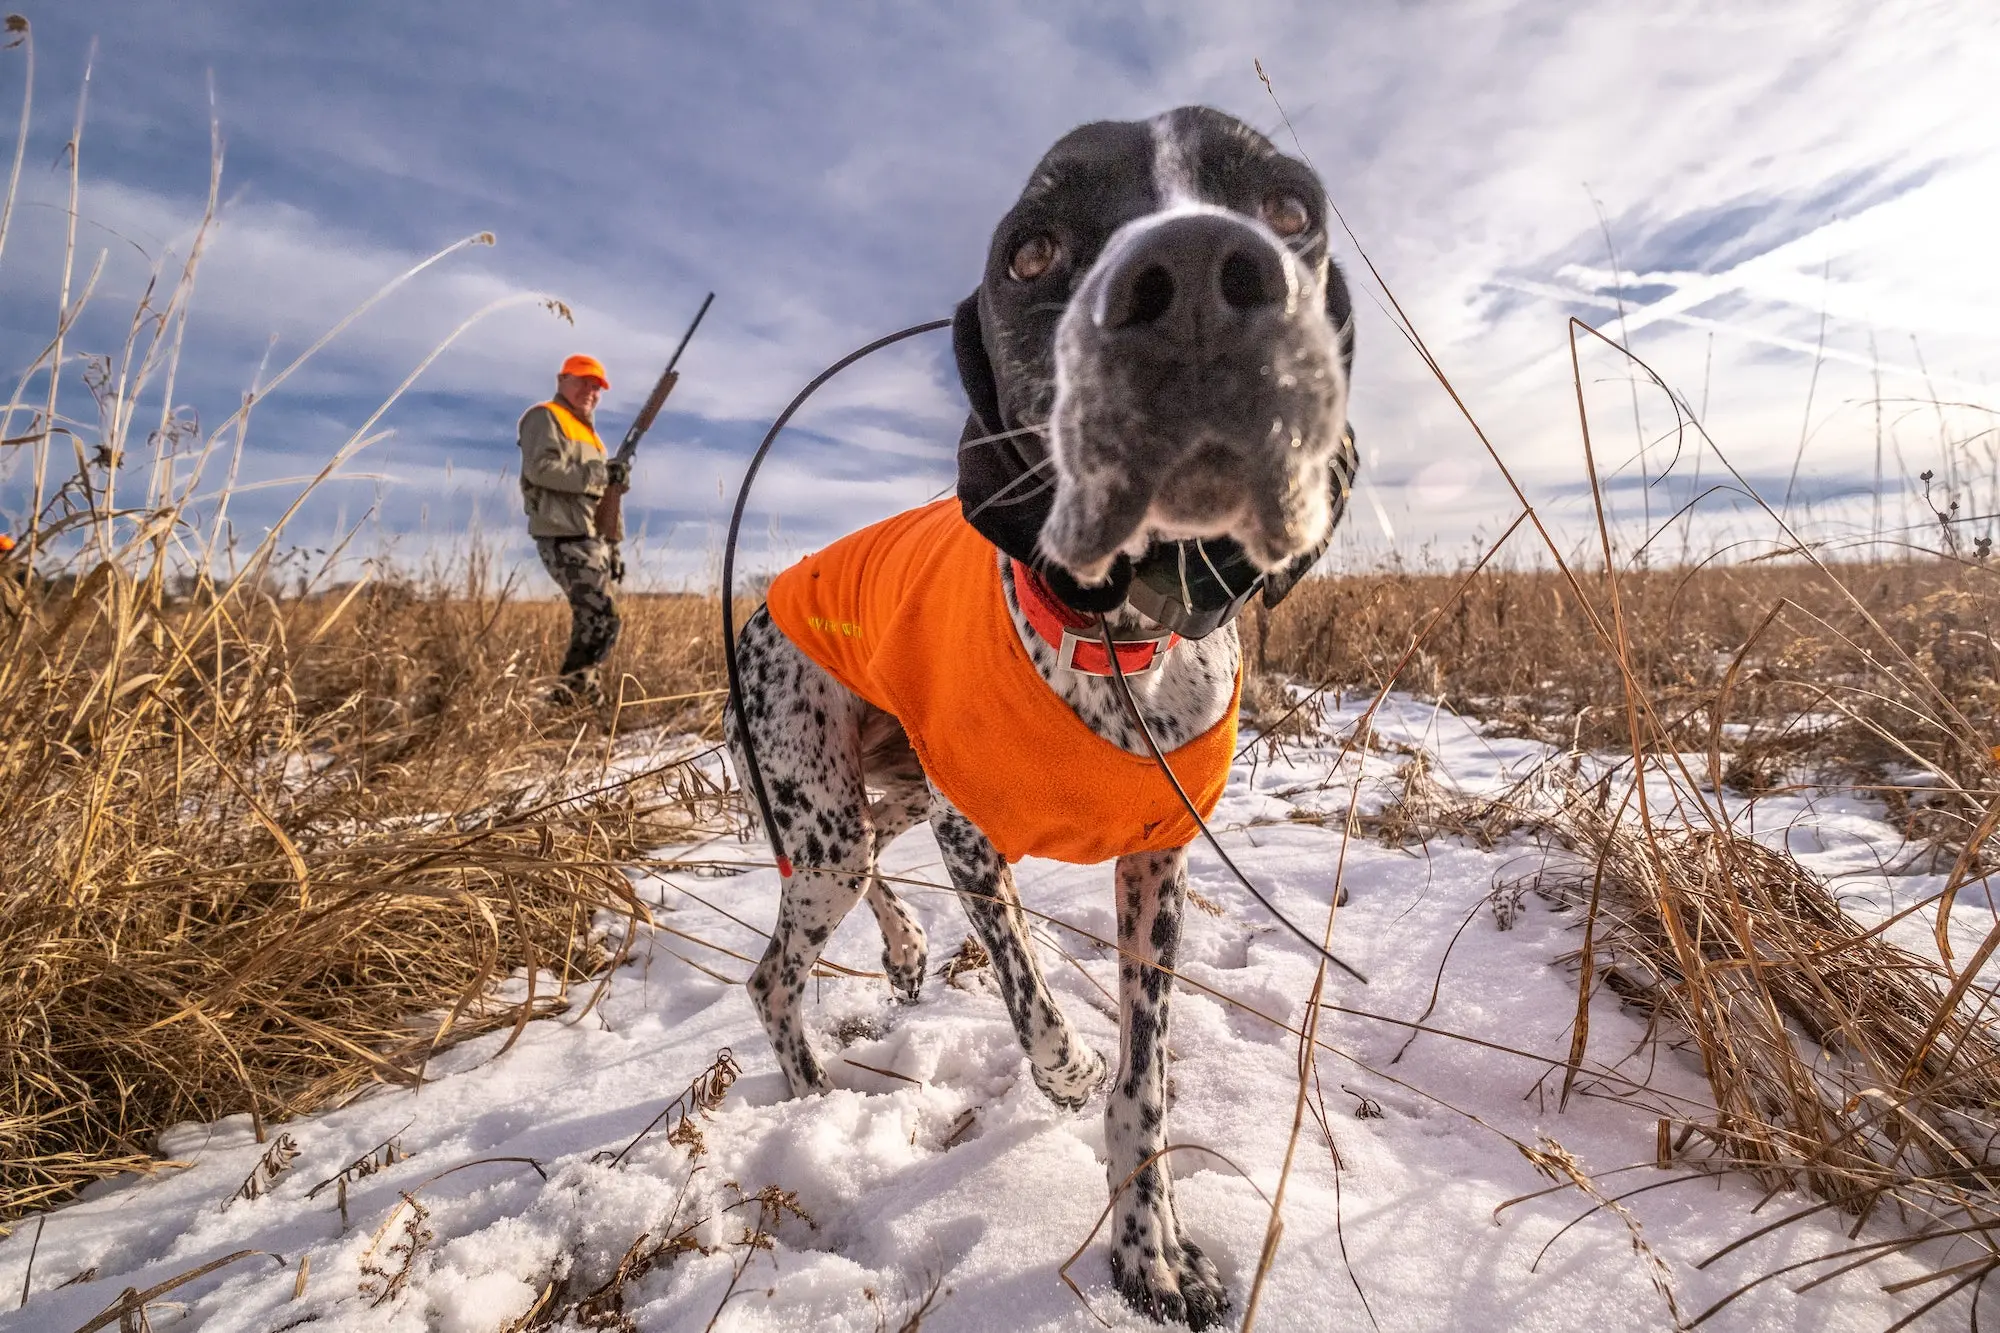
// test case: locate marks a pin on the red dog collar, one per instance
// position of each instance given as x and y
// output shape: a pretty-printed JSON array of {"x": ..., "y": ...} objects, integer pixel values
[{"x": 1072, "y": 634}]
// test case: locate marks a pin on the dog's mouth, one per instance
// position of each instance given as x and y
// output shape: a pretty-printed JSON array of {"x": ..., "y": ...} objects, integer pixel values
[
  {"x": 1273, "y": 507},
  {"x": 1274, "y": 513}
]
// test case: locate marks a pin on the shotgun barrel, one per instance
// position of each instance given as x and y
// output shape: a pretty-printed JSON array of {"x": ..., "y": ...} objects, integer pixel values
[
  {"x": 658, "y": 397},
  {"x": 611, "y": 505}
]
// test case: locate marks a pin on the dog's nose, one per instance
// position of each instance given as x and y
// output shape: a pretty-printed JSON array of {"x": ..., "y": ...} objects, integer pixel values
[{"x": 1193, "y": 280}]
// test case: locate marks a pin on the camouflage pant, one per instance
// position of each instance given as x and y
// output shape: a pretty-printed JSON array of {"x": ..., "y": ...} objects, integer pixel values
[{"x": 586, "y": 569}]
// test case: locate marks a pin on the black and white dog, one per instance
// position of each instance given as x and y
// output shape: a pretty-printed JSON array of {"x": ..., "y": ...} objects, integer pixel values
[{"x": 1157, "y": 360}]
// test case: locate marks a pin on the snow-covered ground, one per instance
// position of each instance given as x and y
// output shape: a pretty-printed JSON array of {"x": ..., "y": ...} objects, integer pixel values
[{"x": 956, "y": 1172}]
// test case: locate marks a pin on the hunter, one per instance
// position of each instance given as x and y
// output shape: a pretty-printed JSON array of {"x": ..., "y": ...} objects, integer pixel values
[{"x": 564, "y": 471}]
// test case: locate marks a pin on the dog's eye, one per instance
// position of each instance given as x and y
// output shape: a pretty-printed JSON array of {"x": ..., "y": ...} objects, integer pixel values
[
  {"x": 1033, "y": 257},
  {"x": 1286, "y": 214}
]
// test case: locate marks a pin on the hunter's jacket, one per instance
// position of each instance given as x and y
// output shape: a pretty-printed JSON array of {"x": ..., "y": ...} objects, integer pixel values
[{"x": 562, "y": 471}]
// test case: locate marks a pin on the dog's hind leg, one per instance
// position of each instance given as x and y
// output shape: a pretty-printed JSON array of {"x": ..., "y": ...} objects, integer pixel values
[
  {"x": 807, "y": 729},
  {"x": 1065, "y": 1067},
  {"x": 1156, "y": 1268},
  {"x": 905, "y": 799}
]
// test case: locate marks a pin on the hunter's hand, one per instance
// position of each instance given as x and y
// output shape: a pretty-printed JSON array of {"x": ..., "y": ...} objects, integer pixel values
[{"x": 618, "y": 474}]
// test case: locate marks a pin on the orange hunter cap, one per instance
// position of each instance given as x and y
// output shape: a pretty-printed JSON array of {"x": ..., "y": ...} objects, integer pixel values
[
  {"x": 6, "y": 543},
  {"x": 587, "y": 367}
]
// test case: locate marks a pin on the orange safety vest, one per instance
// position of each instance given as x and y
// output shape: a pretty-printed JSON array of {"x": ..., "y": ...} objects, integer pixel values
[
  {"x": 573, "y": 425},
  {"x": 910, "y": 615}
]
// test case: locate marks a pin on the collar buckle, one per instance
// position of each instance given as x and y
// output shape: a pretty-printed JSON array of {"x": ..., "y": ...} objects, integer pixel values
[
  {"x": 1096, "y": 663},
  {"x": 1070, "y": 633}
]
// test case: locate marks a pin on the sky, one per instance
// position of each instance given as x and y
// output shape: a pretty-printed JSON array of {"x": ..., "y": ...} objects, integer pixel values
[{"x": 1785, "y": 209}]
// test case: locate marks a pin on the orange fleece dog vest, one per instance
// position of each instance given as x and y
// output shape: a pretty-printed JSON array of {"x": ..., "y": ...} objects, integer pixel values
[{"x": 910, "y": 615}]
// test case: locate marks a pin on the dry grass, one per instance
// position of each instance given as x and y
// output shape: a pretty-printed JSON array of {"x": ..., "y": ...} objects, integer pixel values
[
  {"x": 1836, "y": 1057},
  {"x": 272, "y": 841},
  {"x": 256, "y": 838},
  {"x": 1861, "y": 673},
  {"x": 1841, "y": 1066}
]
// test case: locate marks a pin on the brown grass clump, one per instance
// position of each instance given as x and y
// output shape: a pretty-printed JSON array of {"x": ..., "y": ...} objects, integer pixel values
[
  {"x": 256, "y": 837},
  {"x": 1841, "y": 1064},
  {"x": 1744, "y": 949},
  {"x": 1793, "y": 652}
]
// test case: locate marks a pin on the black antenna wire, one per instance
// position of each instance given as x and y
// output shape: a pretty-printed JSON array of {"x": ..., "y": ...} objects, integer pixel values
[
  {"x": 1145, "y": 730},
  {"x": 753, "y": 774}
]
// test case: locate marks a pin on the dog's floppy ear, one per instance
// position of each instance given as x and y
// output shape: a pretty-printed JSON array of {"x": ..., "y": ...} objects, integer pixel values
[{"x": 975, "y": 370}]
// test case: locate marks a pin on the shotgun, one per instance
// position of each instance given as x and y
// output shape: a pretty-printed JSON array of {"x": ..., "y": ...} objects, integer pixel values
[{"x": 611, "y": 505}]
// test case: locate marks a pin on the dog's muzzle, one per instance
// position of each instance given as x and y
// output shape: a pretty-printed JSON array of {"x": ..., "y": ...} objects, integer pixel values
[{"x": 1199, "y": 395}]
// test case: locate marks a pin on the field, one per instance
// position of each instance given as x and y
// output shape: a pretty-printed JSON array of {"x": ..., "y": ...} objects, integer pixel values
[
  {"x": 284, "y": 850},
  {"x": 347, "y": 983}
]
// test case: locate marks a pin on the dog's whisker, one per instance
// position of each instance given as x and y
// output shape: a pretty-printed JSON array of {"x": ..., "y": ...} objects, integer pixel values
[
  {"x": 1000, "y": 495},
  {"x": 1203, "y": 552},
  {"x": 1003, "y": 435},
  {"x": 1027, "y": 497}
]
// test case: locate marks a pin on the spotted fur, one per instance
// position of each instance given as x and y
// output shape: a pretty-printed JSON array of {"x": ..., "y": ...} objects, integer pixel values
[
  {"x": 821, "y": 747},
  {"x": 1228, "y": 424}
]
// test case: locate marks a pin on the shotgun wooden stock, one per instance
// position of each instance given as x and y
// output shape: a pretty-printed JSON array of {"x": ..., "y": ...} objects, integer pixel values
[{"x": 611, "y": 504}]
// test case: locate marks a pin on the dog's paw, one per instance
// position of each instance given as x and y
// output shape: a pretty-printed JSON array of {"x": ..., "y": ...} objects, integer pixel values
[
  {"x": 905, "y": 968},
  {"x": 1181, "y": 1286},
  {"x": 1069, "y": 1085},
  {"x": 905, "y": 951}
]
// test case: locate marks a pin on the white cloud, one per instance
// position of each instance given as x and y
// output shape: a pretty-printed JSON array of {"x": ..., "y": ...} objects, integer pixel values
[{"x": 835, "y": 178}]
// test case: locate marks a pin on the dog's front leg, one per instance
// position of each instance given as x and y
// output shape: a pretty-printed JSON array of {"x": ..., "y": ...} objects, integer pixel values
[
  {"x": 1157, "y": 1269},
  {"x": 1065, "y": 1067}
]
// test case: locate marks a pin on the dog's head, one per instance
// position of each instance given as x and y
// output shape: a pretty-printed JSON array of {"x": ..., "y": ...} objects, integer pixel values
[{"x": 1162, "y": 337}]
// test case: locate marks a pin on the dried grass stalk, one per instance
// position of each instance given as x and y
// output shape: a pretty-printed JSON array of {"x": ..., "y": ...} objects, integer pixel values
[
  {"x": 1840, "y": 1064},
  {"x": 249, "y": 862}
]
